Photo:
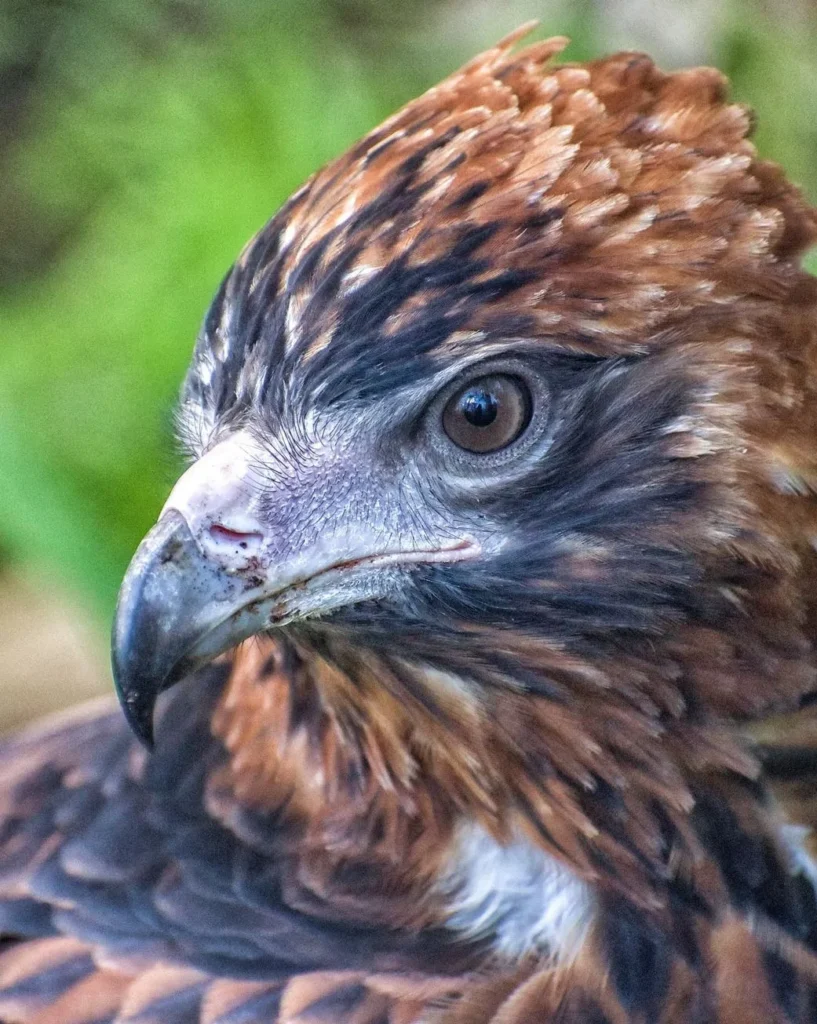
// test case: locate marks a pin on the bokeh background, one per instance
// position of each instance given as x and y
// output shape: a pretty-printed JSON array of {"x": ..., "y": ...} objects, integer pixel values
[{"x": 141, "y": 143}]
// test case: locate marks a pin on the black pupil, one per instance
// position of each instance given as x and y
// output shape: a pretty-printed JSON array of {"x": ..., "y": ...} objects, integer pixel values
[{"x": 479, "y": 407}]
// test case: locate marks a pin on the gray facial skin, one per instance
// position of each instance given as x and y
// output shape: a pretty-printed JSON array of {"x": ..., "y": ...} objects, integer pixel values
[
  {"x": 321, "y": 509},
  {"x": 248, "y": 541}
]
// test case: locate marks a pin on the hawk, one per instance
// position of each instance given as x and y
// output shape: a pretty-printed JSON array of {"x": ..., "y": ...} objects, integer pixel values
[{"x": 475, "y": 647}]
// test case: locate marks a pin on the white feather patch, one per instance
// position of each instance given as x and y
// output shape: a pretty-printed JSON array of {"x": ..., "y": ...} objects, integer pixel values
[
  {"x": 794, "y": 839},
  {"x": 524, "y": 897}
]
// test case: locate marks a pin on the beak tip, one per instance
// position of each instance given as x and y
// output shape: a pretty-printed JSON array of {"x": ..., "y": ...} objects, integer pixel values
[
  {"x": 137, "y": 707},
  {"x": 140, "y": 721},
  {"x": 136, "y": 700}
]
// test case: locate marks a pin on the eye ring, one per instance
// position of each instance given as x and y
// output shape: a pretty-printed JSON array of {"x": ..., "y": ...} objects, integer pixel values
[{"x": 488, "y": 413}]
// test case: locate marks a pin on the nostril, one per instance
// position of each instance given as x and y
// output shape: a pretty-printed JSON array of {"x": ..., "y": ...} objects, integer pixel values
[{"x": 227, "y": 538}]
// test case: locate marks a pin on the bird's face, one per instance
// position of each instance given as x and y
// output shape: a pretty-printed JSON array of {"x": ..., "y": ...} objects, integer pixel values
[
  {"x": 481, "y": 385},
  {"x": 460, "y": 492},
  {"x": 305, "y": 513}
]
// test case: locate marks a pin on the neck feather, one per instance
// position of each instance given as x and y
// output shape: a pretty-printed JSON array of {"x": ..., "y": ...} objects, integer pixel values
[{"x": 373, "y": 760}]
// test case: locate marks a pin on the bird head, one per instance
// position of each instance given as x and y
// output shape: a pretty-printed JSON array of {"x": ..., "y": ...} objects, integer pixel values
[{"x": 499, "y": 398}]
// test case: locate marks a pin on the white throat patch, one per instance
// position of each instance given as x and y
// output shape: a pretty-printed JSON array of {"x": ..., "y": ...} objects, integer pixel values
[{"x": 519, "y": 893}]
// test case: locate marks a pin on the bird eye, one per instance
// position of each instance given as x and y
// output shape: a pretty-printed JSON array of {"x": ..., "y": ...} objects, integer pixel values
[{"x": 488, "y": 414}]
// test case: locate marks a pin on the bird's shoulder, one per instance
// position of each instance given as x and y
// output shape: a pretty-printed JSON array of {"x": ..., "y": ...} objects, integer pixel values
[
  {"x": 121, "y": 890},
  {"x": 129, "y": 891}
]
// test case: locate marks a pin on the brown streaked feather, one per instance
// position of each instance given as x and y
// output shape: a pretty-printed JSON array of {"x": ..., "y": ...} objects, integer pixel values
[
  {"x": 788, "y": 751},
  {"x": 749, "y": 983},
  {"x": 96, "y": 998},
  {"x": 35, "y": 974},
  {"x": 573, "y": 992},
  {"x": 64, "y": 777},
  {"x": 605, "y": 172}
]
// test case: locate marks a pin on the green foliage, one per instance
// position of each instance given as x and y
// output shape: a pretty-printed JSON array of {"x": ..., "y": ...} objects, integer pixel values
[
  {"x": 775, "y": 72},
  {"x": 163, "y": 138},
  {"x": 773, "y": 69}
]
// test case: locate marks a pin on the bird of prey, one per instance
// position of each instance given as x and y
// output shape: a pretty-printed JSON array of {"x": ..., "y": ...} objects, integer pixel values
[{"x": 475, "y": 647}]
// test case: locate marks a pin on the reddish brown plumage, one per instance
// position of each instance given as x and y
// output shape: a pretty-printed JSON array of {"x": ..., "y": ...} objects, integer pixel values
[{"x": 635, "y": 218}]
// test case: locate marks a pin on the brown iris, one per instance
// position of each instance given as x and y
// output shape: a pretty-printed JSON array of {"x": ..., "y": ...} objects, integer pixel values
[{"x": 487, "y": 414}]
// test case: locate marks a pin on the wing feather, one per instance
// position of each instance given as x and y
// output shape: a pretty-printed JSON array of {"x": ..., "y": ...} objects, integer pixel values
[{"x": 123, "y": 899}]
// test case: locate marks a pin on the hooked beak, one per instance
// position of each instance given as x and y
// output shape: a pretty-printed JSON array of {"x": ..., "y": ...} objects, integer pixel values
[
  {"x": 160, "y": 618},
  {"x": 207, "y": 576}
]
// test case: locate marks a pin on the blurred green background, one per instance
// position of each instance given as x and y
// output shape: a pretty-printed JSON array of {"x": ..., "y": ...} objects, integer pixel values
[{"x": 141, "y": 143}]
